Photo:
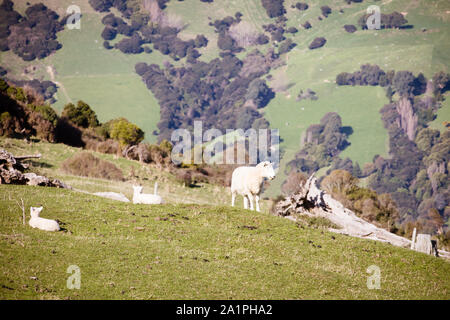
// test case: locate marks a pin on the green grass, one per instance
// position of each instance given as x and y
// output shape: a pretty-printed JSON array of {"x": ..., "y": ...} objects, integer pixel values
[
  {"x": 194, "y": 247},
  {"x": 443, "y": 114},
  {"x": 358, "y": 108},
  {"x": 127, "y": 251}
]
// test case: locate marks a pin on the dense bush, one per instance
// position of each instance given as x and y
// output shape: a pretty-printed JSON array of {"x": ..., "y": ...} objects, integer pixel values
[
  {"x": 46, "y": 112},
  {"x": 441, "y": 83},
  {"x": 8, "y": 18},
  {"x": 326, "y": 10},
  {"x": 109, "y": 33},
  {"x": 82, "y": 115},
  {"x": 127, "y": 8},
  {"x": 25, "y": 113},
  {"x": 317, "y": 43},
  {"x": 322, "y": 144},
  {"x": 35, "y": 35},
  {"x": 259, "y": 93},
  {"x": 130, "y": 45},
  {"x": 163, "y": 35},
  {"x": 125, "y": 132},
  {"x": 403, "y": 83},
  {"x": 307, "y": 25},
  {"x": 274, "y": 8},
  {"x": 262, "y": 39},
  {"x": 415, "y": 175},
  {"x": 301, "y": 6},
  {"x": 45, "y": 88},
  {"x": 107, "y": 45},
  {"x": 286, "y": 46},
  {"x": 387, "y": 21},
  {"x": 368, "y": 74},
  {"x": 86, "y": 165},
  {"x": 350, "y": 28}
]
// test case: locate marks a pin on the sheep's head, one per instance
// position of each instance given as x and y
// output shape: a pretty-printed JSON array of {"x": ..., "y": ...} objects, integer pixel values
[
  {"x": 137, "y": 189},
  {"x": 267, "y": 170},
  {"x": 35, "y": 211}
]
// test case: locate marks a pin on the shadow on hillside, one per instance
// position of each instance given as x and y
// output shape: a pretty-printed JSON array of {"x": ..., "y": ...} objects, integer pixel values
[{"x": 41, "y": 164}]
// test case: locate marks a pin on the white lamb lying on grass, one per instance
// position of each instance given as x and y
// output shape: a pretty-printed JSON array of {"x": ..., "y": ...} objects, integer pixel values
[
  {"x": 247, "y": 182},
  {"x": 42, "y": 223},
  {"x": 143, "y": 198}
]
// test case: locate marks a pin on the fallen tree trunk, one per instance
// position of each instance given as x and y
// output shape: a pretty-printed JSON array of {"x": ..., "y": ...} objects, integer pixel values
[
  {"x": 28, "y": 157},
  {"x": 312, "y": 201}
]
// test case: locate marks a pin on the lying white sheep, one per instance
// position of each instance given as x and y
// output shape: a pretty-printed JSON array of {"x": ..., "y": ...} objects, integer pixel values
[
  {"x": 42, "y": 223},
  {"x": 144, "y": 198},
  {"x": 247, "y": 182}
]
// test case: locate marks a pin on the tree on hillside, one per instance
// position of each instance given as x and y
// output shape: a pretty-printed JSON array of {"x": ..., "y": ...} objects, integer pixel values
[
  {"x": 293, "y": 183},
  {"x": 326, "y": 10},
  {"x": 274, "y": 8},
  {"x": 317, "y": 43},
  {"x": 404, "y": 83},
  {"x": 125, "y": 132},
  {"x": 338, "y": 181},
  {"x": 109, "y": 33},
  {"x": 259, "y": 93},
  {"x": 441, "y": 83},
  {"x": 301, "y": 6},
  {"x": 81, "y": 114}
]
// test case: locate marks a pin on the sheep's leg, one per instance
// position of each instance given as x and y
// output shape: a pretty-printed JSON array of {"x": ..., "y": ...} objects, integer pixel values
[
  {"x": 250, "y": 199},
  {"x": 245, "y": 202},
  {"x": 233, "y": 198},
  {"x": 257, "y": 203}
]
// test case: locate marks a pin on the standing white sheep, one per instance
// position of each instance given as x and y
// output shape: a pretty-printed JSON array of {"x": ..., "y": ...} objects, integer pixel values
[
  {"x": 247, "y": 182},
  {"x": 139, "y": 197},
  {"x": 42, "y": 223}
]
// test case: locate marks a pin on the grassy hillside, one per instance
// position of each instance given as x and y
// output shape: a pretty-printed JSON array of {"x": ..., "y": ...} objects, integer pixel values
[
  {"x": 134, "y": 172},
  {"x": 201, "y": 250},
  {"x": 106, "y": 79},
  {"x": 127, "y": 251}
]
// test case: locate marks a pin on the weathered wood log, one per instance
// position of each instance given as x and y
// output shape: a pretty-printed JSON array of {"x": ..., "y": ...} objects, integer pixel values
[
  {"x": 313, "y": 201},
  {"x": 307, "y": 198},
  {"x": 33, "y": 156},
  {"x": 413, "y": 243}
]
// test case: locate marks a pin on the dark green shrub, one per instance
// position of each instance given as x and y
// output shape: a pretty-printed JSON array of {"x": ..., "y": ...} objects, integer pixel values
[{"x": 81, "y": 114}]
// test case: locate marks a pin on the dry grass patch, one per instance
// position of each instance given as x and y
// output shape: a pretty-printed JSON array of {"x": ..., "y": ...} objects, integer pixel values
[{"x": 87, "y": 165}]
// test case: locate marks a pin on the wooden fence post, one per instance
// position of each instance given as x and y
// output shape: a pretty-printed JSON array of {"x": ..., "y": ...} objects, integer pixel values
[
  {"x": 424, "y": 243},
  {"x": 413, "y": 239}
]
